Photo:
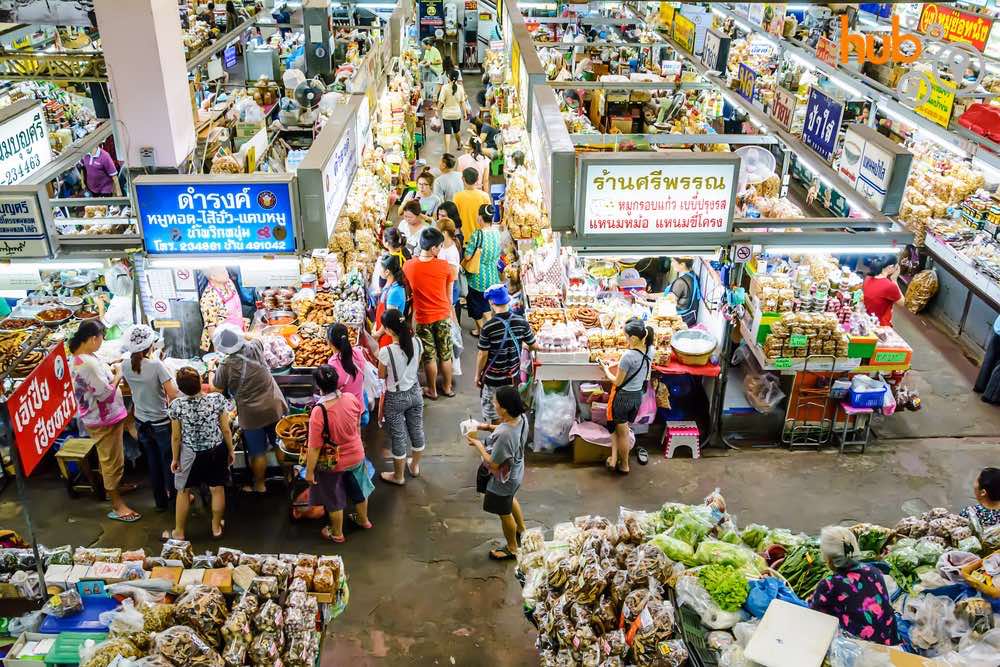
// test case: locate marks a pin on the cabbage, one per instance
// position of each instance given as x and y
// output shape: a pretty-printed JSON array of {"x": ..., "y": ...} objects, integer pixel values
[
  {"x": 692, "y": 524},
  {"x": 906, "y": 560},
  {"x": 724, "y": 553},
  {"x": 732, "y": 537},
  {"x": 928, "y": 551},
  {"x": 753, "y": 536},
  {"x": 669, "y": 512},
  {"x": 674, "y": 549}
]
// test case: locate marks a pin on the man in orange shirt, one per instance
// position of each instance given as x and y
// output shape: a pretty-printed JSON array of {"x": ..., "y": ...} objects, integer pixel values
[
  {"x": 469, "y": 200},
  {"x": 430, "y": 281}
]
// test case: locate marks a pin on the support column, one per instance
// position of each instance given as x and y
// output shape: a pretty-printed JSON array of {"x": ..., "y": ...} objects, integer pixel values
[{"x": 148, "y": 77}]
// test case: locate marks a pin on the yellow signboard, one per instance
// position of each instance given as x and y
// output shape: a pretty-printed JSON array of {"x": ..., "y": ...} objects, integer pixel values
[
  {"x": 684, "y": 32},
  {"x": 667, "y": 15},
  {"x": 939, "y": 105},
  {"x": 515, "y": 66}
]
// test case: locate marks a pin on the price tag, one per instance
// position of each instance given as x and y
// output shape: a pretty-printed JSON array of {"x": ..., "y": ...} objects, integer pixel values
[
  {"x": 783, "y": 363},
  {"x": 746, "y": 82},
  {"x": 887, "y": 357},
  {"x": 798, "y": 340}
]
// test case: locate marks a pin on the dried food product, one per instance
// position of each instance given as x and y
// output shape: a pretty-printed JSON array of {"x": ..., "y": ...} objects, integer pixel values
[
  {"x": 588, "y": 585},
  {"x": 249, "y": 602},
  {"x": 108, "y": 651},
  {"x": 921, "y": 290},
  {"x": 645, "y": 562},
  {"x": 310, "y": 561},
  {"x": 270, "y": 618},
  {"x": 305, "y": 575},
  {"x": 181, "y": 645},
  {"x": 63, "y": 604},
  {"x": 229, "y": 557},
  {"x": 253, "y": 561},
  {"x": 300, "y": 585},
  {"x": 335, "y": 563},
  {"x": 157, "y": 617},
  {"x": 134, "y": 555},
  {"x": 234, "y": 653},
  {"x": 324, "y": 580},
  {"x": 265, "y": 650},
  {"x": 911, "y": 526},
  {"x": 299, "y": 619},
  {"x": 180, "y": 550},
  {"x": 91, "y": 555},
  {"x": 654, "y": 628},
  {"x": 313, "y": 351},
  {"x": 302, "y": 649},
  {"x": 277, "y": 568},
  {"x": 205, "y": 561},
  {"x": 237, "y": 625},
  {"x": 204, "y": 609},
  {"x": 265, "y": 588}
]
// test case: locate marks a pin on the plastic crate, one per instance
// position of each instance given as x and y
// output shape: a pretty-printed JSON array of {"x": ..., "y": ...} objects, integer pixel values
[
  {"x": 866, "y": 399},
  {"x": 694, "y": 634}
]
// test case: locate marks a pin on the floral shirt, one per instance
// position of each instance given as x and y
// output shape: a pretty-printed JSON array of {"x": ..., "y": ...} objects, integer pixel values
[
  {"x": 199, "y": 418},
  {"x": 986, "y": 517},
  {"x": 858, "y": 598}
]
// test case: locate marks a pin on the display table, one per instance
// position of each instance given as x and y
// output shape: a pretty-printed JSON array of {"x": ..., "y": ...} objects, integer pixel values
[{"x": 594, "y": 373}]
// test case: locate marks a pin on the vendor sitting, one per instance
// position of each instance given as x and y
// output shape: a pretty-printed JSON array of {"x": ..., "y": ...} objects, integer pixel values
[
  {"x": 855, "y": 593},
  {"x": 686, "y": 288},
  {"x": 986, "y": 511}
]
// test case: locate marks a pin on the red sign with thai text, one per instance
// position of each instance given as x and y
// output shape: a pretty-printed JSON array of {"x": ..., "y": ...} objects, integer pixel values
[
  {"x": 958, "y": 26},
  {"x": 41, "y": 408},
  {"x": 826, "y": 51}
]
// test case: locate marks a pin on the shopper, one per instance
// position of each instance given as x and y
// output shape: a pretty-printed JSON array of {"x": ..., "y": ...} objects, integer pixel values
[
  {"x": 988, "y": 380},
  {"x": 469, "y": 201},
  {"x": 392, "y": 296},
  {"x": 403, "y": 405},
  {"x": 395, "y": 244},
  {"x": 153, "y": 389},
  {"x": 449, "y": 181},
  {"x": 202, "y": 446},
  {"x": 412, "y": 222},
  {"x": 502, "y": 469},
  {"x": 475, "y": 159},
  {"x": 686, "y": 289},
  {"x": 432, "y": 68},
  {"x": 482, "y": 255},
  {"x": 498, "y": 363},
  {"x": 232, "y": 17},
  {"x": 335, "y": 456},
  {"x": 855, "y": 594},
  {"x": 453, "y": 105},
  {"x": 102, "y": 412},
  {"x": 986, "y": 490},
  {"x": 488, "y": 136},
  {"x": 881, "y": 292},
  {"x": 348, "y": 360},
  {"x": 451, "y": 252},
  {"x": 424, "y": 194},
  {"x": 245, "y": 377},
  {"x": 430, "y": 280},
  {"x": 628, "y": 388}
]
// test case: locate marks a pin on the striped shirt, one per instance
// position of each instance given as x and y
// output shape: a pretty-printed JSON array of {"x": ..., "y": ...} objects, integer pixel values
[{"x": 503, "y": 358}]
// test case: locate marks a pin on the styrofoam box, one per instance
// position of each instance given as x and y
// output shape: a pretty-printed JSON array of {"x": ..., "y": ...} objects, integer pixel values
[{"x": 25, "y": 637}]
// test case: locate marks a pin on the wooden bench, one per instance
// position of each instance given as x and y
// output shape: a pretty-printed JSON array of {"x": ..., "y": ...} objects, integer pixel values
[{"x": 88, "y": 478}]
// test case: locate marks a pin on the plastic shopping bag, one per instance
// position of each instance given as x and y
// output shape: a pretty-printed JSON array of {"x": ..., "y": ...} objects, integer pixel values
[{"x": 555, "y": 414}]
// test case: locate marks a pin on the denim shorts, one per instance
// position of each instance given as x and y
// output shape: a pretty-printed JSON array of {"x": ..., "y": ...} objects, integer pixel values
[{"x": 258, "y": 441}]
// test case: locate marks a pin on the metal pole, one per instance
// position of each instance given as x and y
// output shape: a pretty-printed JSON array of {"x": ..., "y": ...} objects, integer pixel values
[{"x": 719, "y": 394}]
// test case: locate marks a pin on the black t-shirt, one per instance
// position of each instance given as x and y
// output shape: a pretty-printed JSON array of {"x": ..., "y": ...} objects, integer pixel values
[
  {"x": 504, "y": 357},
  {"x": 491, "y": 135}
]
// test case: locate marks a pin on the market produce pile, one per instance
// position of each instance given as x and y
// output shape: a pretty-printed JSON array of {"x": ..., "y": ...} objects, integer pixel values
[{"x": 607, "y": 593}]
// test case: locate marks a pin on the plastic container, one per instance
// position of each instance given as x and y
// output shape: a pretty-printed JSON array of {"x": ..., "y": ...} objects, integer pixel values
[
  {"x": 87, "y": 620},
  {"x": 866, "y": 399}
]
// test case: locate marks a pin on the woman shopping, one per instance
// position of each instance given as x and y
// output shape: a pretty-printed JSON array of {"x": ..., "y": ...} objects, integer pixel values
[
  {"x": 153, "y": 389},
  {"x": 452, "y": 103},
  {"x": 202, "y": 446},
  {"x": 403, "y": 403},
  {"x": 245, "y": 377},
  {"x": 474, "y": 158},
  {"x": 628, "y": 388},
  {"x": 102, "y": 411},
  {"x": 482, "y": 254},
  {"x": 392, "y": 296},
  {"x": 335, "y": 459},
  {"x": 502, "y": 469},
  {"x": 424, "y": 195},
  {"x": 986, "y": 490},
  {"x": 348, "y": 360},
  {"x": 451, "y": 252}
]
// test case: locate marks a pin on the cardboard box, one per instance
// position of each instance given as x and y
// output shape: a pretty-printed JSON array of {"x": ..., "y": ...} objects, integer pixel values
[
  {"x": 902, "y": 659},
  {"x": 42, "y": 650},
  {"x": 242, "y": 576},
  {"x": 220, "y": 577},
  {"x": 171, "y": 574},
  {"x": 58, "y": 575},
  {"x": 191, "y": 578}
]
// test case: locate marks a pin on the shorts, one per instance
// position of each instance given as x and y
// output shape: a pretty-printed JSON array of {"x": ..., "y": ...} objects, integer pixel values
[
  {"x": 436, "y": 338},
  {"x": 477, "y": 304},
  {"x": 257, "y": 441},
  {"x": 452, "y": 126},
  {"x": 336, "y": 490},
  {"x": 625, "y": 407},
  {"x": 110, "y": 452},
  {"x": 496, "y": 504},
  {"x": 209, "y": 467}
]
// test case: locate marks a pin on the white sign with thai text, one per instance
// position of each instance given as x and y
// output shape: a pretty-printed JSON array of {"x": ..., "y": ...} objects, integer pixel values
[
  {"x": 783, "y": 107},
  {"x": 24, "y": 146}
]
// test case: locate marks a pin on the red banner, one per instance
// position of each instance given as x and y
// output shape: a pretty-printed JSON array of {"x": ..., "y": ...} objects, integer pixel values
[
  {"x": 826, "y": 51},
  {"x": 41, "y": 408},
  {"x": 959, "y": 26}
]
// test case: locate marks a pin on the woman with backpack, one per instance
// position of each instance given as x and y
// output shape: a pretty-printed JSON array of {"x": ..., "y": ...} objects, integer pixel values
[{"x": 627, "y": 391}]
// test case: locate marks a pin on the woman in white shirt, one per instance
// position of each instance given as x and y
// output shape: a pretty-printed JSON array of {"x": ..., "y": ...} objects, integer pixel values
[
  {"x": 474, "y": 157},
  {"x": 452, "y": 102},
  {"x": 451, "y": 252},
  {"x": 403, "y": 403}
]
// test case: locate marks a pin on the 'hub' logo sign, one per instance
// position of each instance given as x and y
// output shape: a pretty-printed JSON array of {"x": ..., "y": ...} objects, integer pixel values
[{"x": 951, "y": 63}]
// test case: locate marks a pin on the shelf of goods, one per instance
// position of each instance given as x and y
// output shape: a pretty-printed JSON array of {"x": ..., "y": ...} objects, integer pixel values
[
  {"x": 395, "y": 127},
  {"x": 177, "y": 608},
  {"x": 684, "y": 585}
]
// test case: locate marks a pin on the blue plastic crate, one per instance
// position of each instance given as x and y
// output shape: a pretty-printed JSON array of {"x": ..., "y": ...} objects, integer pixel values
[
  {"x": 866, "y": 399},
  {"x": 87, "y": 620}
]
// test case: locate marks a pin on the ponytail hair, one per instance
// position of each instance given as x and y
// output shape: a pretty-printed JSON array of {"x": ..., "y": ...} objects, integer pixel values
[
  {"x": 87, "y": 330},
  {"x": 136, "y": 359},
  {"x": 392, "y": 320},
  {"x": 326, "y": 378},
  {"x": 476, "y": 146},
  {"x": 453, "y": 77},
  {"x": 338, "y": 337},
  {"x": 392, "y": 264},
  {"x": 636, "y": 327}
]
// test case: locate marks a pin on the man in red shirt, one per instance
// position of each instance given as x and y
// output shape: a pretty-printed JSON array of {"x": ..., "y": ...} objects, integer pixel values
[
  {"x": 430, "y": 281},
  {"x": 881, "y": 292}
]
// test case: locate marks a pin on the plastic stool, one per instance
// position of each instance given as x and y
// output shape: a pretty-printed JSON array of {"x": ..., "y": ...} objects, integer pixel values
[
  {"x": 78, "y": 451},
  {"x": 681, "y": 434},
  {"x": 496, "y": 166}
]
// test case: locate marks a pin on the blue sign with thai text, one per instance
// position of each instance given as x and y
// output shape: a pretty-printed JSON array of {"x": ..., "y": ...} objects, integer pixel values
[
  {"x": 882, "y": 9},
  {"x": 822, "y": 126},
  {"x": 216, "y": 218},
  {"x": 746, "y": 83}
]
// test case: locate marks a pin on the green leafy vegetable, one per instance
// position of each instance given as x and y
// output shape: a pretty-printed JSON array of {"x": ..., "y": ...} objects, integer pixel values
[
  {"x": 754, "y": 535},
  {"x": 804, "y": 568},
  {"x": 676, "y": 550},
  {"x": 725, "y": 584}
]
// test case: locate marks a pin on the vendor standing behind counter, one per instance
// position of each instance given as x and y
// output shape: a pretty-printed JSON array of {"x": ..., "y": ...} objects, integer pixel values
[
  {"x": 686, "y": 288},
  {"x": 881, "y": 292}
]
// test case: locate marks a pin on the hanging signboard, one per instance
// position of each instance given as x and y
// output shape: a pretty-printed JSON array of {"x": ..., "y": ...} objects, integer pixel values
[
  {"x": 338, "y": 174},
  {"x": 671, "y": 194},
  {"x": 783, "y": 107},
  {"x": 876, "y": 166},
  {"x": 823, "y": 115},
  {"x": 216, "y": 215},
  {"x": 940, "y": 100},
  {"x": 667, "y": 11},
  {"x": 431, "y": 16},
  {"x": 755, "y": 14},
  {"x": 24, "y": 143},
  {"x": 957, "y": 26},
  {"x": 684, "y": 32},
  {"x": 715, "y": 55},
  {"x": 880, "y": 9},
  {"x": 826, "y": 51},
  {"x": 41, "y": 408},
  {"x": 746, "y": 82},
  {"x": 22, "y": 228}
]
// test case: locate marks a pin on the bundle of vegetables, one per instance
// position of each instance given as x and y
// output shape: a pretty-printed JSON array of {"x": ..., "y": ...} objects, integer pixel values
[
  {"x": 871, "y": 537},
  {"x": 674, "y": 549},
  {"x": 717, "y": 552},
  {"x": 754, "y": 536},
  {"x": 691, "y": 524},
  {"x": 909, "y": 558},
  {"x": 785, "y": 538},
  {"x": 726, "y": 584},
  {"x": 804, "y": 568}
]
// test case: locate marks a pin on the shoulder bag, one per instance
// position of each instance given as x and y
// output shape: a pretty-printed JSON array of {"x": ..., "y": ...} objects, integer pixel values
[
  {"x": 329, "y": 452},
  {"x": 614, "y": 387},
  {"x": 471, "y": 263}
]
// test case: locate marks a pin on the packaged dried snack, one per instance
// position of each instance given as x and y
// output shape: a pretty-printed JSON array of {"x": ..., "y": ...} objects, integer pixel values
[
  {"x": 153, "y": 561},
  {"x": 91, "y": 555},
  {"x": 248, "y": 602},
  {"x": 299, "y": 585},
  {"x": 270, "y": 618},
  {"x": 305, "y": 574},
  {"x": 265, "y": 588},
  {"x": 588, "y": 585},
  {"x": 309, "y": 560},
  {"x": 253, "y": 561},
  {"x": 179, "y": 550},
  {"x": 302, "y": 649},
  {"x": 622, "y": 552},
  {"x": 104, "y": 653},
  {"x": 181, "y": 645},
  {"x": 297, "y": 598},
  {"x": 265, "y": 650},
  {"x": 204, "y": 609},
  {"x": 335, "y": 563},
  {"x": 8, "y": 560},
  {"x": 234, "y": 653},
  {"x": 324, "y": 580},
  {"x": 229, "y": 557},
  {"x": 64, "y": 604},
  {"x": 134, "y": 555},
  {"x": 645, "y": 562},
  {"x": 157, "y": 617},
  {"x": 614, "y": 644},
  {"x": 298, "y": 619},
  {"x": 237, "y": 625},
  {"x": 277, "y": 568},
  {"x": 205, "y": 561},
  {"x": 655, "y": 626},
  {"x": 152, "y": 661},
  {"x": 59, "y": 556}
]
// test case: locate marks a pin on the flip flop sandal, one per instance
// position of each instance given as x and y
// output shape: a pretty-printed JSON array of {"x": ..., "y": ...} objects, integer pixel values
[
  {"x": 506, "y": 554},
  {"x": 448, "y": 394},
  {"x": 642, "y": 455},
  {"x": 124, "y": 518},
  {"x": 391, "y": 481},
  {"x": 607, "y": 464},
  {"x": 429, "y": 397},
  {"x": 354, "y": 518},
  {"x": 327, "y": 535}
]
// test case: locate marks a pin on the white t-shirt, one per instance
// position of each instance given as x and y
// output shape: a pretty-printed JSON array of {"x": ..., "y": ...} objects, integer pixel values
[
  {"x": 450, "y": 255},
  {"x": 407, "y": 370}
]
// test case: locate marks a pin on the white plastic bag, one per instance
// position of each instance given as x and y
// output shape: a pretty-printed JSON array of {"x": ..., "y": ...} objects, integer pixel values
[
  {"x": 371, "y": 383},
  {"x": 951, "y": 562},
  {"x": 458, "y": 345},
  {"x": 124, "y": 619},
  {"x": 555, "y": 414},
  {"x": 693, "y": 594}
]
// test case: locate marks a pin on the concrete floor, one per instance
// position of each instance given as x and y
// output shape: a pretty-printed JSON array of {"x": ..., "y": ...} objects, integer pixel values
[{"x": 423, "y": 591}]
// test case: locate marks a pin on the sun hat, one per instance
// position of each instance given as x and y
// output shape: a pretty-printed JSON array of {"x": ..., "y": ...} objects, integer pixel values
[
  {"x": 139, "y": 339},
  {"x": 228, "y": 338},
  {"x": 497, "y": 295}
]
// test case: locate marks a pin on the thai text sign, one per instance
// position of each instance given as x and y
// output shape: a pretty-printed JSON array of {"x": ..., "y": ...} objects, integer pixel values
[
  {"x": 684, "y": 32},
  {"x": 671, "y": 195},
  {"x": 715, "y": 55},
  {"x": 41, "y": 407},
  {"x": 215, "y": 216},
  {"x": 746, "y": 82},
  {"x": 955, "y": 25},
  {"x": 22, "y": 229},
  {"x": 940, "y": 100},
  {"x": 823, "y": 115},
  {"x": 783, "y": 107},
  {"x": 826, "y": 51},
  {"x": 24, "y": 146}
]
